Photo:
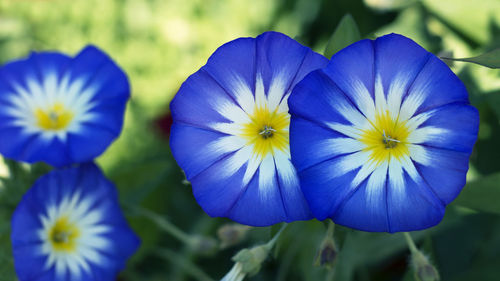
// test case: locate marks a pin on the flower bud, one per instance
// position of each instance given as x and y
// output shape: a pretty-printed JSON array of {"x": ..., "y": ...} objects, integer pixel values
[
  {"x": 235, "y": 274},
  {"x": 231, "y": 234},
  {"x": 203, "y": 245},
  {"x": 327, "y": 253},
  {"x": 251, "y": 259},
  {"x": 423, "y": 269}
]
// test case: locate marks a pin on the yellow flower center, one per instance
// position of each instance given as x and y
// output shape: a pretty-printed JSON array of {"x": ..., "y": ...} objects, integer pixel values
[
  {"x": 387, "y": 138},
  {"x": 63, "y": 235},
  {"x": 55, "y": 118},
  {"x": 267, "y": 131}
]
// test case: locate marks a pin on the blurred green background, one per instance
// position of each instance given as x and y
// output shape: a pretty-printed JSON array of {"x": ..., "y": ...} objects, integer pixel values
[{"x": 160, "y": 43}]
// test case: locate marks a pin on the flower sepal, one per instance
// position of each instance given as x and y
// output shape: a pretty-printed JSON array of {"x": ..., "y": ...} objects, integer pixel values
[{"x": 251, "y": 259}]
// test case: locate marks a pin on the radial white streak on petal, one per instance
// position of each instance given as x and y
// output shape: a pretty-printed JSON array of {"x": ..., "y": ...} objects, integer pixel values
[
  {"x": 60, "y": 267},
  {"x": 231, "y": 111},
  {"x": 227, "y": 128},
  {"x": 418, "y": 120},
  {"x": 94, "y": 241},
  {"x": 396, "y": 178},
  {"x": 50, "y": 86},
  {"x": 37, "y": 93},
  {"x": 91, "y": 217},
  {"x": 73, "y": 268},
  {"x": 23, "y": 99},
  {"x": 225, "y": 144},
  {"x": 276, "y": 90},
  {"x": 97, "y": 229},
  {"x": 363, "y": 99},
  {"x": 235, "y": 161},
  {"x": 82, "y": 102},
  {"x": 347, "y": 130},
  {"x": 83, "y": 207},
  {"x": 410, "y": 105},
  {"x": 283, "y": 107},
  {"x": 286, "y": 171},
  {"x": 367, "y": 167},
  {"x": 260, "y": 96},
  {"x": 73, "y": 201},
  {"x": 69, "y": 92},
  {"x": 395, "y": 95},
  {"x": 352, "y": 161},
  {"x": 409, "y": 167},
  {"x": 253, "y": 165},
  {"x": 426, "y": 134},
  {"x": 376, "y": 185},
  {"x": 21, "y": 113},
  {"x": 339, "y": 146},
  {"x": 243, "y": 94},
  {"x": 267, "y": 172},
  {"x": 380, "y": 102},
  {"x": 51, "y": 259},
  {"x": 352, "y": 115},
  {"x": 419, "y": 154},
  {"x": 91, "y": 255},
  {"x": 82, "y": 262}
]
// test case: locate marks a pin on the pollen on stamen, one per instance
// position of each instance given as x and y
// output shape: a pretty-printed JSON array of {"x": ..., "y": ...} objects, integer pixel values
[
  {"x": 60, "y": 237},
  {"x": 388, "y": 141},
  {"x": 267, "y": 132}
]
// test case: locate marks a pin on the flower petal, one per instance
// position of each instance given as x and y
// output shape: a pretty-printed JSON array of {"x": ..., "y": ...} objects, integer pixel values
[
  {"x": 443, "y": 170},
  {"x": 49, "y": 95},
  {"x": 196, "y": 149},
  {"x": 381, "y": 137},
  {"x": 435, "y": 77},
  {"x": 223, "y": 116},
  {"x": 317, "y": 143},
  {"x": 84, "y": 197},
  {"x": 450, "y": 127},
  {"x": 412, "y": 206}
]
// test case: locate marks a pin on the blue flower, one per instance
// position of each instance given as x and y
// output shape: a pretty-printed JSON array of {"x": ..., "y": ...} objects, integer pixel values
[
  {"x": 381, "y": 137},
  {"x": 61, "y": 110},
  {"x": 69, "y": 226},
  {"x": 230, "y": 130}
]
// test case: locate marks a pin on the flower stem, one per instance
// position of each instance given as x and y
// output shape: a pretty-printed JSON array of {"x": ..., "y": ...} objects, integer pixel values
[
  {"x": 409, "y": 241},
  {"x": 182, "y": 262},
  {"x": 269, "y": 245},
  {"x": 331, "y": 228},
  {"x": 163, "y": 224}
]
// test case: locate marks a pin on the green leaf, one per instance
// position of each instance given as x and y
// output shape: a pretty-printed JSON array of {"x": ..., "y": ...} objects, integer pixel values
[
  {"x": 482, "y": 194},
  {"x": 490, "y": 59},
  {"x": 468, "y": 19},
  {"x": 346, "y": 33}
]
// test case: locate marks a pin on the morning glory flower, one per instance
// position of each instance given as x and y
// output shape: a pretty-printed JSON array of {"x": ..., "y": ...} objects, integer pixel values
[
  {"x": 230, "y": 130},
  {"x": 69, "y": 226},
  {"x": 381, "y": 137},
  {"x": 61, "y": 110}
]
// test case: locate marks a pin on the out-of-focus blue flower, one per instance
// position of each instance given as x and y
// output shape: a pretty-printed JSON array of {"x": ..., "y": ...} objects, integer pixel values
[
  {"x": 230, "y": 130},
  {"x": 381, "y": 137},
  {"x": 69, "y": 226},
  {"x": 61, "y": 110}
]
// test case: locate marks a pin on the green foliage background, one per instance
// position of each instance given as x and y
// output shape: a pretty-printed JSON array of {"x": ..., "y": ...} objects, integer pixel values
[{"x": 161, "y": 42}]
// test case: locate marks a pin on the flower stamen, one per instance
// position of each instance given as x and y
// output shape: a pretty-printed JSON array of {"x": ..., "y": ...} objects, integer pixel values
[
  {"x": 267, "y": 132},
  {"x": 388, "y": 141},
  {"x": 55, "y": 118},
  {"x": 63, "y": 235}
]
